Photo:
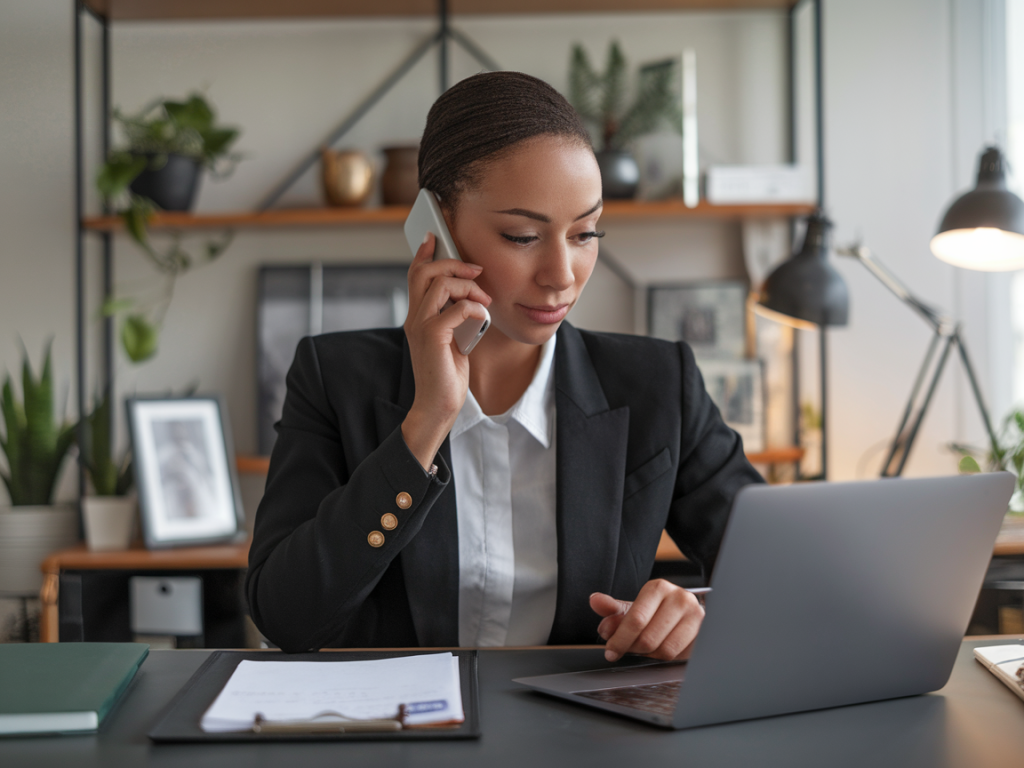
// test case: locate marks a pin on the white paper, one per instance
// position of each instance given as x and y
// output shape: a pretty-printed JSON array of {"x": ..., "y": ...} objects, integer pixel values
[
  {"x": 427, "y": 684},
  {"x": 1010, "y": 655}
]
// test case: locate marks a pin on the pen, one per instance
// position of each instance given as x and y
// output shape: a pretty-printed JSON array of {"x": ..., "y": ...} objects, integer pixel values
[{"x": 697, "y": 590}]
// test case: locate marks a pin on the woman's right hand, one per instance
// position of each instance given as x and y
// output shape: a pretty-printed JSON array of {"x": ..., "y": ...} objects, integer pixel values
[{"x": 440, "y": 370}]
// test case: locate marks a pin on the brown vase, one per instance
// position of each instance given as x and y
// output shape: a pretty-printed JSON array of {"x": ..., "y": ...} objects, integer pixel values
[
  {"x": 347, "y": 176},
  {"x": 400, "y": 183}
]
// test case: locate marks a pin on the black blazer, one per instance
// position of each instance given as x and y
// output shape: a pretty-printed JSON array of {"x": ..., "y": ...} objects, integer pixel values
[{"x": 640, "y": 447}]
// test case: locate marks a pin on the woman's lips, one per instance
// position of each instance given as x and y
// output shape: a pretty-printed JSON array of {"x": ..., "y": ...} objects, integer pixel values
[{"x": 545, "y": 314}]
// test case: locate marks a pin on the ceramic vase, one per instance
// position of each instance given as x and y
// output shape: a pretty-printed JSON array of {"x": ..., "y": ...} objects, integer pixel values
[
  {"x": 400, "y": 182},
  {"x": 109, "y": 522},
  {"x": 620, "y": 174},
  {"x": 347, "y": 177}
]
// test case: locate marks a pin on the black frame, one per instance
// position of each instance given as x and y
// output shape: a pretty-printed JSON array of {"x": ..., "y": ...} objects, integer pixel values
[{"x": 146, "y": 512}]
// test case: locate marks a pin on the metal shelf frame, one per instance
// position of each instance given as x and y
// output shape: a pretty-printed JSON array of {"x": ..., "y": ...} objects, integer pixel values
[{"x": 95, "y": 11}]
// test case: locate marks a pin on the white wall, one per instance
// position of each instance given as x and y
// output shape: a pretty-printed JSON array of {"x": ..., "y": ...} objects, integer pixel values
[
  {"x": 904, "y": 126},
  {"x": 891, "y": 167}
]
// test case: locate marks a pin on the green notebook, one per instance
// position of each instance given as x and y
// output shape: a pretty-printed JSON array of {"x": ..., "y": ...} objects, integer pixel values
[{"x": 63, "y": 687}]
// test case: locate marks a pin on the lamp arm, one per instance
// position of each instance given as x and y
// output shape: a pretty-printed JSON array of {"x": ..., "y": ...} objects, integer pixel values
[{"x": 930, "y": 315}]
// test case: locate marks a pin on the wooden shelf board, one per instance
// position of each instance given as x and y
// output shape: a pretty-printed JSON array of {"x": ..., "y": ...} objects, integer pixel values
[
  {"x": 260, "y": 465},
  {"x": 157, "y": 10},
  {"x": 215, "y": 556},
  {"x": 780, "y": 455},
  {"x": 614, "y": 210}
]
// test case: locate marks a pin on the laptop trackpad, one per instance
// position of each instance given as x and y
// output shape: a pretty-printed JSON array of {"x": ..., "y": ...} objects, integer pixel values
[{"x": 580, "y": 682}]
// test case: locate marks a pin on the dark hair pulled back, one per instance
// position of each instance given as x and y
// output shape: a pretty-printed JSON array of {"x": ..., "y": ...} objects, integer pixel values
[{"x": 479, "y": 119}]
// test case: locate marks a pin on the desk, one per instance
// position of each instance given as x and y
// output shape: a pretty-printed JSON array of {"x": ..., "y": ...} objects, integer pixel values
[
  {"x": 974, "y": 721},
  {"x": 85, "y": 594}
]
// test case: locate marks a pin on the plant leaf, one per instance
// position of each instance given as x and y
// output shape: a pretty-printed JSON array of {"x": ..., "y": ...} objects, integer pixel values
[
  {"x": 118, "y": 173},
  {"x": 968, "y": 466},
  {"x": 139, "y": 338}
]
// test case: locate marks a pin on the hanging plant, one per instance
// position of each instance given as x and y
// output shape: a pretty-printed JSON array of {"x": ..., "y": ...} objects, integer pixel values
[{"x": 168, "y": 144}]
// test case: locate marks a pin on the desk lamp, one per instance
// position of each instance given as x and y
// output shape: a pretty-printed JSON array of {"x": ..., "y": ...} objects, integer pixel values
[
  {"x": 984, "y": 228},
  {"x": 807, "y": 292}
]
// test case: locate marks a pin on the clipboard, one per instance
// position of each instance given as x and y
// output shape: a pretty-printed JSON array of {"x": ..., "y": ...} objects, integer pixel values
[{"x": 179, "y": 723}]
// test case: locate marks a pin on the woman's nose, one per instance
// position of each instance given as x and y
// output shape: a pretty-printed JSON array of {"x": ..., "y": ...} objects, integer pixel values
[{"x": 556, "y": 269}]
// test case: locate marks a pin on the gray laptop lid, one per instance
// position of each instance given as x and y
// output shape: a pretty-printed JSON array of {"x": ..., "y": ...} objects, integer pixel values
[{"x": 838, "y": 593}]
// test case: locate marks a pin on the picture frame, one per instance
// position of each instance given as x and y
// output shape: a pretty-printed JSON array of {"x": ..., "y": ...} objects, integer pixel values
[
  {"x": 185, "y": 473},
  {"x": 298, "y": 300},
  {"x": 737, "y": 388},
  {"x": 710, "y": 316}
]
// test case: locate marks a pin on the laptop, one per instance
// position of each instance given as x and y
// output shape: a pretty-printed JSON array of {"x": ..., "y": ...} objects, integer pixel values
[{"x": 823, "y": 595}]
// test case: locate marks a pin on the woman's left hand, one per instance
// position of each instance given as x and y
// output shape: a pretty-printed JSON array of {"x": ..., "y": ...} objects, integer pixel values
[{"x": 661, "y": 623}]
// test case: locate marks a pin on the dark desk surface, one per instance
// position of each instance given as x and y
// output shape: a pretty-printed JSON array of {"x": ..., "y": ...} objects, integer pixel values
[{"x": 974, "y": 721}]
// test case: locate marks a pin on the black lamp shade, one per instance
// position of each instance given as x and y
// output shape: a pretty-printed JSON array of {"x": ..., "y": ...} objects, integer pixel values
[
  {"x": 984, "y": 228},
  {"x": 807, "y": 287}
]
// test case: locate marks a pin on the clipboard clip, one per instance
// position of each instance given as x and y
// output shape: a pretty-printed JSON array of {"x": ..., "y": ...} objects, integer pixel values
[{"x": 330, "y": 721}]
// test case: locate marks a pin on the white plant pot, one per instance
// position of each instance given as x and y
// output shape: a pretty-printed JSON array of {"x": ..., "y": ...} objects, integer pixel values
[
  {"x": 109, "y": 522},
  {"x": 27, "y": 536}
]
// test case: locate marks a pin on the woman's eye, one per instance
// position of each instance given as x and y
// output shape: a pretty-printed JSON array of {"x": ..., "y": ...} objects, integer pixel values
[
  {"x": 520, "y": 239},
  {"x": 585, "y": 237}
]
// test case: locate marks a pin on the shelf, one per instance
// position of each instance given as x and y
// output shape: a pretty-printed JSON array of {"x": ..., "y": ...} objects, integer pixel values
[
  {"x": 260, "y": 465},
  {"x": 614, "y": 210},
  {"x": 155, "y": 10}
]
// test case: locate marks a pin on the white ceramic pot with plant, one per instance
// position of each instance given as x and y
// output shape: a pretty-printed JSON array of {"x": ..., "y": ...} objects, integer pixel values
[
  {"x": 1006, "y": 452},
  {"x": 109, "y": 514},
  {"x": 34, "y": 445}
]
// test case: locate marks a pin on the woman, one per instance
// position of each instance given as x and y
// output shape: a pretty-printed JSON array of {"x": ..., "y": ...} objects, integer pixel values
[{"x": 514, "y": 496}]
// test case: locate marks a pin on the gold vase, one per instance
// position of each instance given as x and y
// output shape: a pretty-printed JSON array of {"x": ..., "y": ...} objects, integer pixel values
[{"x": 347, "y": 176}]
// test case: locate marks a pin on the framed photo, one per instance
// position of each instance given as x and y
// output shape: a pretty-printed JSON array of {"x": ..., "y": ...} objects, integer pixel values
[
  {"x": 184, "y": 470},
  {"x": 309, "y": 299},
  {"x": 737, "y": 388},
  {"x": 709, "y": 316}
]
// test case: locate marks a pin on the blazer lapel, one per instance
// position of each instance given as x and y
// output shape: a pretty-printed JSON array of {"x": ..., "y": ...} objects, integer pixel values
[
  {"x": 430, "y": 562},
  {"x": 591, "y": 467}
]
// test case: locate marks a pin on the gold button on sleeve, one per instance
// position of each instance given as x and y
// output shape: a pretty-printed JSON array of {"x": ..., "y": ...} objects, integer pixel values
[
  {"x": 376, "y": 539},
  {"x": 389, "y": 522},
  {"x": 403, "y": 500}
]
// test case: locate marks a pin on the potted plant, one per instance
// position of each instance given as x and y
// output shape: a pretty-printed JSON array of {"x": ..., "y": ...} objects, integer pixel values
[
  {"x": 1007, "y": 452},
  {"x": 34, "y": 445},
  {"x": 169, "y": 144},
  {"x": 600, "y": 99},
  {"x": 109, "y": 513}
]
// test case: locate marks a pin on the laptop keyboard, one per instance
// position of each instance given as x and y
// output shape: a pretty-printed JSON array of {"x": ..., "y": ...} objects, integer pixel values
[{"x": 658, "y": 698}]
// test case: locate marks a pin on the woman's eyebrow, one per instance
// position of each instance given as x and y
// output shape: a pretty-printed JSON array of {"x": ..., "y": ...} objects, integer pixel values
[{"x": 542, "y": 217}]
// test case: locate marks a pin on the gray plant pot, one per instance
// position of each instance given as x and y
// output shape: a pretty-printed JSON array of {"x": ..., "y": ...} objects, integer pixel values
[
  {"x": 620, "y": 174},
  {"x": 27, "y": 536}
]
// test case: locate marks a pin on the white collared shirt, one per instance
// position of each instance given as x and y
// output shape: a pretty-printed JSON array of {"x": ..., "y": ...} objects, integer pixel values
[{"x": 504, "y": 472}]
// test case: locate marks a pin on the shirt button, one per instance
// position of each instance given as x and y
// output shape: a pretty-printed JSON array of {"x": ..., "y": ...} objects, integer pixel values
[
  {"x": 389, "y": 522},
  {"x": 403, "y": 500},
  {"x": 376, "y": 539}
]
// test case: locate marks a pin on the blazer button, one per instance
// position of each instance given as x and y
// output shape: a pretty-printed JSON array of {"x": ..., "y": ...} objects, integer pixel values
[
  {"x": 389, "y": 522},
  {"x": 376, "y": 539},
  {"x": 403, "y": 500}
]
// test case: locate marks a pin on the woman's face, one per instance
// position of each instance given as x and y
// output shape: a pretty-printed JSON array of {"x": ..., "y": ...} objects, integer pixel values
[{"x": 530, "y": 223}]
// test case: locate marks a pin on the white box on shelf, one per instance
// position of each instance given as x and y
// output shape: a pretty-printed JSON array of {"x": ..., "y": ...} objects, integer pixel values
[
  {"x": 163, "y": 605},
  {"x": 737, "y": 184}
]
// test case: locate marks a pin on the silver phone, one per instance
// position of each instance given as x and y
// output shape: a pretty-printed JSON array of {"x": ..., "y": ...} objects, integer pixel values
[{"x": 424, "y": 217}]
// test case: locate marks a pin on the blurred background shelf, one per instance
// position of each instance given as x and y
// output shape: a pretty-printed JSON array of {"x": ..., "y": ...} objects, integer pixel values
[{"x": 618, "y": 210}]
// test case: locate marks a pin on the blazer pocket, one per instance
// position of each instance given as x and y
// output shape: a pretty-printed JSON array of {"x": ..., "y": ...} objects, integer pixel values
[{"x": 647, "y": 473}]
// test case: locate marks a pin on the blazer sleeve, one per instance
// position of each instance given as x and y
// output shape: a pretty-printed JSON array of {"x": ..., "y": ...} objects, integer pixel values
[
  {"x": 712, "y": 469},
  {"x": 311, "y": 564}
]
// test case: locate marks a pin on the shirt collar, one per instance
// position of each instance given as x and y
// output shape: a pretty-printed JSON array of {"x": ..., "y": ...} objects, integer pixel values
[{"x": 534, "y": 410}]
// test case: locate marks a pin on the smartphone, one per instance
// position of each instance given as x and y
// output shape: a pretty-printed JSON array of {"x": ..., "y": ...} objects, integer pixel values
[{"x": 424, "y": 217}]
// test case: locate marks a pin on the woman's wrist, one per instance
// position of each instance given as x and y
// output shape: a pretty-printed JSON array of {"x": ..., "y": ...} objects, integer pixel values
[{"x": 423, "y": 438}]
